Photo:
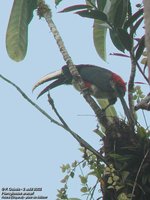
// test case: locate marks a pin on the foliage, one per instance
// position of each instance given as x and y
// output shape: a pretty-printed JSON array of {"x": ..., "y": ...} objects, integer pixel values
[
  {"x": 122, "y": 25},
  {"x": 17, "y": 30},
  {"x": 96, "y": 169}
]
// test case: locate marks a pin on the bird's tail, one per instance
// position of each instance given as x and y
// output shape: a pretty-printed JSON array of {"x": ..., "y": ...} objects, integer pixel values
[{"x": 127, "y": 112}]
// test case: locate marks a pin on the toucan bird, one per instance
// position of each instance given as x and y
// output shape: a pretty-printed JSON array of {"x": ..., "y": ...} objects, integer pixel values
[{"x": 102, "y": 83}]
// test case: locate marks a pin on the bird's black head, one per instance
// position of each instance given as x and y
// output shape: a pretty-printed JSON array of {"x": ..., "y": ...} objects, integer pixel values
[{"x": 66, "y": 73}]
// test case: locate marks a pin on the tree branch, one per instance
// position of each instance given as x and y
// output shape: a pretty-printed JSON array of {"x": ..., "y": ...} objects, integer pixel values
[
  {"x": 144, "y": 104},
  {"x": 63, "y": 125},
  {"x": 44, "y": 11},
  {"x": 81, "y": 141},
  {"x": 31, "y": 102},
  {"x": 138, "y": 172},
  {"x": 131, "y": 85},
  {"x": 147, "y": 32}
]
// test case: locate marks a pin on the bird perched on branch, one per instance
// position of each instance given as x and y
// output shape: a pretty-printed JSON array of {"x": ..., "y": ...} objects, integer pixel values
[{"x": 102, "y": 83}]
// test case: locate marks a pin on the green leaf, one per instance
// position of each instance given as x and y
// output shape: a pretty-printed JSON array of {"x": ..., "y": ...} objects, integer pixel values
[
  {"x": 64, "y": 168},
  {"x": 84, "y": 189},
  {"x": 72, "y": 174},
  {"x": 94, "y": 14},
  {"x": 140, "y": 49},
  {"x": 32, "y": 5},
  {"x": 101, "y": 4},
  {"x": 136, "y": 26},
  {"x": 83, "y": 179},
  {"x": 99, "y": 37},
  {"x": 17, "y": 30},
  {"x": 76, "y": 7},
  {"x": 124, "y": 175},
  {"x": 142, "y": 132},
  {"x": 116, "y": 40},
  {"x": 118, "y": 12},
  {"x": 65, "y": 179},
  {"x": 74, "y": 199},
  {"x": 121, "y": 13},
  {"x": 120, "y": 157},
  {"x": 133, "y": 18},
  {"x": 83, "y": 164},
  {"x": 125, "y": 39},
  {"x": 74, "y": 164},
  {"x": 57, "y": 2}
]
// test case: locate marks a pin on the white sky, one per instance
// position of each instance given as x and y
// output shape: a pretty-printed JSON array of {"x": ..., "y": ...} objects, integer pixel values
[{"x": 32, "y": 148}]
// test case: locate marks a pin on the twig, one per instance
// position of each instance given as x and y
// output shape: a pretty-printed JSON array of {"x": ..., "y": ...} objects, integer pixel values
[
  {"x": 31, "y": 102},
  {"x": 81, "y": 141},
  {"x": 63, "y": 125},
  {"x": 137, "y": 175},
  {"x": 139, "y": 68},
  {"x": 144, "y": 104}
]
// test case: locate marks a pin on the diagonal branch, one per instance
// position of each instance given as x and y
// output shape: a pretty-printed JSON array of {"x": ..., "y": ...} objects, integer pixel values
[
  {"x": 131, "y": 85},
  {"x": 76, "y": 136},
  {"x": 63, "y": 124},
  {"x": 144, "y": 104},
  {"x": 138, "y": 173},
  {"x": 147, "y": 32},
  {"x": 44, "y": 11},
  {"x": 31, "y": 102}
]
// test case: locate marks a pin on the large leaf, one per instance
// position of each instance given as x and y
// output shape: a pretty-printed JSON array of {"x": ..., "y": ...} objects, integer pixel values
[
  {"x": 125, "y": 39},
  {"x": 17, "y": 30},
  {"x": 76, "y": 7},
  {"x": 141, "y": 47},
  {"x": 136, "y": 26},
  {"x": 121, "y": 13},
  {"x": 101, "y": 4},
  {"x": 57, "y": 2},
  {"x": 94, "y": 14},
  {"x": 133, "y": 18},
  {"x": 99, "y": 37},
  {"x": 116, "y": 40},
  {"x": 100, "y": 29},
  {"x": 118, "y": 12},
  {"x": 121, "y": 39}
]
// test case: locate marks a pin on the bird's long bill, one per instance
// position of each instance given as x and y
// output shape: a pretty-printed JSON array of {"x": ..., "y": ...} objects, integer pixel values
[
  {"x": 48, "y": 77},
  {"x": 56, "y": 83}
]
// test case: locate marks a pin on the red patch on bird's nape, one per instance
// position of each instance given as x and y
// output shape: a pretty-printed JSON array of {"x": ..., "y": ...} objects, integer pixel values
[{"x": 117, "y": 79}]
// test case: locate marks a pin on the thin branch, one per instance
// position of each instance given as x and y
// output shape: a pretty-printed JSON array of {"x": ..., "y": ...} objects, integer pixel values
[
  {"x": 137, "y": 175},
  {"x": 139, "y": 68},
  {"x": 51, "y": 102},
  {"x": 144, "y": 104},
  {"x": 31, "y": 102},
  {"x": 81, "y": 141},
  {"x": 147, "y": 32},
  {"x": 63, "y": 125}
]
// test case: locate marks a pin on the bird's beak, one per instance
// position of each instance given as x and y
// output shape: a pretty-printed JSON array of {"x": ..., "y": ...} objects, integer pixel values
[
  {"x": 48, "y": 77},
  {"x": 58, "y": 75}
]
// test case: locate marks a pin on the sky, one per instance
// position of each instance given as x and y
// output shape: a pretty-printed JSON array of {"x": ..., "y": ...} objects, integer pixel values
[{"x": 32, "y": 148}]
